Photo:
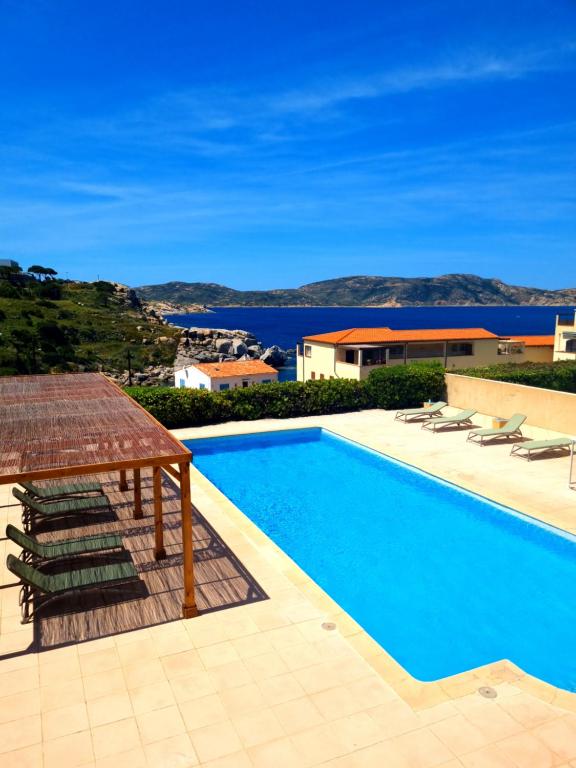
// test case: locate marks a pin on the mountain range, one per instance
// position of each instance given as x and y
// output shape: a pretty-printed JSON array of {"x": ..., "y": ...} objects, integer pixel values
[{"x": 365, "y": 291}]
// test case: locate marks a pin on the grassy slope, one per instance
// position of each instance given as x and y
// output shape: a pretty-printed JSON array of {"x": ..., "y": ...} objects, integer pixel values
[{"x": 96, "y": 330}]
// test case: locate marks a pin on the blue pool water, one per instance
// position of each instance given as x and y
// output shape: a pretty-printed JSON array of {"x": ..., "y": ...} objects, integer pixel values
[{"x": 443, "y": 579}]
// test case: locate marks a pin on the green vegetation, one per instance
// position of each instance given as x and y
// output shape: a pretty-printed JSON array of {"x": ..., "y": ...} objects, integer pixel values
[
  {"x": 560, "y": 376},
  {"x": 389, "y": 388},
  {"x": 51, "y": 325}
]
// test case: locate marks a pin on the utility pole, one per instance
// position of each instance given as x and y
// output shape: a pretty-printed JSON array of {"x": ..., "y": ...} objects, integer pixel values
[{"x": 129, "y": 356}]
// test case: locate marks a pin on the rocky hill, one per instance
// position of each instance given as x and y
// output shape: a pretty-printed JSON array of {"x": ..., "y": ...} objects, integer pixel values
[{"x": 366, "y": 291}]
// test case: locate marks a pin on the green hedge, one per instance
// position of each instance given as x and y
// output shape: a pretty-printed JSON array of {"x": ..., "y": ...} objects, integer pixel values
[
  {"x": 560, "y": 376},
  {"x": 388, "y": 388}
]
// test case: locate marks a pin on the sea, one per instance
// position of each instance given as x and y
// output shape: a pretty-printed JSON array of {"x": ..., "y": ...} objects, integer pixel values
[{"x": 285, "y": 326}]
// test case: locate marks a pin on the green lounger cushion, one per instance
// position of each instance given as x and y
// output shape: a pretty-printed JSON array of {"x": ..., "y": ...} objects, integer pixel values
[
  {"x": 63, "y": 548},
  {"x": 461, "y": 416},
  {"x": 434, "y": 408},
  {"x": 83, "y": 578},
  {"x": 535, "y": 445},
  {"x": 56, "y": 491},
  {"x": 63, "y": 506},
  {"x": 512, "y": 425}
]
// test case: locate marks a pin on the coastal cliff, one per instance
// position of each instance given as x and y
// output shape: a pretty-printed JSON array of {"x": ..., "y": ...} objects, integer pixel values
[{"x": 366, "y": 291}]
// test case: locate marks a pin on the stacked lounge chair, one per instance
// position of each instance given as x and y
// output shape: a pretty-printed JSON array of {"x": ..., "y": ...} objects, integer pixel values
[
  {"x": 35, "y": 551},
  {"x": 34, "y": 508},
  {"x": 48, "y": 492}
]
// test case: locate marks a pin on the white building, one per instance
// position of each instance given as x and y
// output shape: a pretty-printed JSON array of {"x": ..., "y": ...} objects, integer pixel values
[
  {"x": 565, "y": 337},
  {"x": 218, "y": 377}
]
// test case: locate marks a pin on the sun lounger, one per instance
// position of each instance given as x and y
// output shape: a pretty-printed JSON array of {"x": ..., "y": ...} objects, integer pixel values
[
  {"x": 524, "y": 450},
  {"x": 61, "y": 491},
  {"x": 461, "y": 419},
  {"x": 510, "y": 429},
  {"x": 34, "y": 551},
  {"x": 46, "y": 509},
  {"x": 419, "y": 414},
  {"x": 46, "y": 586}
]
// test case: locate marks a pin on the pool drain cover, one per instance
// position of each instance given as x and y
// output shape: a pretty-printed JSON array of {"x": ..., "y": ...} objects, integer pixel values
[
  {"x": 487, "y": 692},
  {"x": 329, "y": 626}
]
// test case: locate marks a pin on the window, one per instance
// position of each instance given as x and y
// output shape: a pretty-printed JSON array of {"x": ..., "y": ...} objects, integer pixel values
[
  {"x": 426, "y": 350},
  {"x": 224, "y": 386},
  {"x": 202, "y": 386},
  {"x": 312, "y": 375},
  {"x": 350, "y": 356},
  {"x": 181, "y": 383},
  {"x": 307, "y": 350},
  {"x": 571, "y": 345},
  {"x": 245, "y": 384},
  {"x": 266, "y": 381},
  {"x": 460, "y": 348},
  {"x": 322, "y": 377}
]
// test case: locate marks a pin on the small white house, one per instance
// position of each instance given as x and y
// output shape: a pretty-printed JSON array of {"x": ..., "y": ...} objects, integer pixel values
[{"x": 218, "y": 377}]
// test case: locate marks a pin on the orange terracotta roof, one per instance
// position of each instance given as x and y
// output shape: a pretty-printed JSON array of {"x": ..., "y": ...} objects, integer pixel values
[
  {"x": 236, "y": 368},
  {"x": 534, "y": 341},
  {"x": 387, "y": 335}
]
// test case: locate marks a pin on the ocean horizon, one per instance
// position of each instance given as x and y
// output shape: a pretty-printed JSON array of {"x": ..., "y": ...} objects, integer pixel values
[{"x": 285, "y": 326}]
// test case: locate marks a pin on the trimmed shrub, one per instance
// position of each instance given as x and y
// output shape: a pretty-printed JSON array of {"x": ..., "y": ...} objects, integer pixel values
[
  {"x": 405, "y": 386},
  {"x": 560, "y": 376},
  {"x": 395, "y": 387}
]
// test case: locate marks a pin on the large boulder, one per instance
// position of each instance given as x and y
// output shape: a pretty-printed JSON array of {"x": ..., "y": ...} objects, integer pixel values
[
  {"x": 239, "y": 348},
  {"x": 274, "y": 356},
  {"x": 223, "y": 346}
]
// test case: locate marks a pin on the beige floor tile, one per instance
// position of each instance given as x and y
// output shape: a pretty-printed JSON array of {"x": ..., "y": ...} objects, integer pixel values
[
  {"x": 244, "y": 699},
  {"x": 258, "y": 727},
  {"x": 20, "y": 733},
  {"x": 193, "y": 686},
  {"x": 216, "y": 741},
  {"x": 280, "y": 753},
  {"x": 277, "y": 690},
  {"x": 301, "y": 655},
  {"x": 336, "y": 702},
  {"x": 252, "y": 645},
  {"x": 459, "y": 735},
  {"x": 488, "y": 757},
  {"x": 104, "y": 684},
  {"x": 137, "y": 652},
  {"x": 231, "y": 675},
  {"x": 60, "y": 671},
  {"x": 18, "y": 681},
  {"x": 216, "y": 655},
  {"x": 298, "y": 715},
  {"x": 395, "y": 718},
  {"x": 99, "y": 661},
  {"x": 208, "y": 710},
  {"x": 236, "y": 760},
  {"x": 173, "y": 752},
  {"x": 64, "y": 721},
  {"x": 19, "y": 705},
  {"x": 422, "y": 748},
  {"x": 134, "y": 758},
  {"x": 319, "y": 744},
  {"x": 265, "y": 666},
  {"x": 181, "y": 664},
  {"x": 559, "y": 736},
  {"x": 108, "y": 709},
  {"x": 61, "y": 695},
  {"x": 151, "y": 697},
  {"x": 137, "y": 675},
  {"x": 29, "y": 757},
  {"x": 529, "y": 711},
  {"x": 526, "y": 750},
  {"x": 115, "y": 738},
  {"x": 358, "y": 730},
  {"x": 160, "y": 724},
  {"x": 69, "y": 751},
  {"x": 319, "y": 677}
]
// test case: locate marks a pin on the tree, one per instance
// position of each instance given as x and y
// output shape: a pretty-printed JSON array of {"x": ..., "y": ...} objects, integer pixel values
[{"x": 42, "y": 272}]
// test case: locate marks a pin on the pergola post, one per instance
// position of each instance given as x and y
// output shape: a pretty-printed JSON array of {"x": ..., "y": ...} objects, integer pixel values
[
  {"x": 159, "y": 551},
  {"x": 189, "y": 606},
  {"x": 123, "y": 482},
  {"x": 138, "y": 514}
]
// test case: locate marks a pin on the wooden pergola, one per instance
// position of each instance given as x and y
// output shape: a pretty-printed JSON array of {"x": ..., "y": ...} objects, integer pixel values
[{"x": 64, "y": 425}]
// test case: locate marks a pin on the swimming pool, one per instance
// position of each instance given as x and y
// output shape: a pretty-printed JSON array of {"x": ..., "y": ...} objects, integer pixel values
[{"x": 443, "y": 579}]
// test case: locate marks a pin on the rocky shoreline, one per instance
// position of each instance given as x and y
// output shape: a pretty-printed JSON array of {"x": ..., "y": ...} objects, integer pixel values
[{"x": 206, "y": 345}]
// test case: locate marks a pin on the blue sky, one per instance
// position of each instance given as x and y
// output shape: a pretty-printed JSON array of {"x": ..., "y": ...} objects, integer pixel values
[{"x": 266, "y": 144}]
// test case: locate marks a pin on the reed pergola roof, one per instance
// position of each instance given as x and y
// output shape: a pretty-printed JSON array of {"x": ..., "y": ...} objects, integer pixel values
[{"x": 63, "y": 425}]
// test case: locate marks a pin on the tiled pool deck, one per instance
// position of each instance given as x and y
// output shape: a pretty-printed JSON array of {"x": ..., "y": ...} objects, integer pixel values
[{"x": 263, "y": 684}]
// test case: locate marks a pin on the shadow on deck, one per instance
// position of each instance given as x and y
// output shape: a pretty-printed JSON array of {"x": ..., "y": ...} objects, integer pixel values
[{"x": 221, "y": 579}]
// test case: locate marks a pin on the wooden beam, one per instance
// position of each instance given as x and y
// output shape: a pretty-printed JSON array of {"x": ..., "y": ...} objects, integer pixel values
[
  {"x": 138, "y": 514},
  {"x": 123, "y": 482},
  {"x": 159, "y": 551},
  {"x": 171, "y": 471},
  {"x": 189, "y": 606}
]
